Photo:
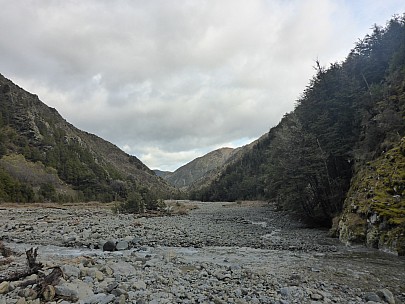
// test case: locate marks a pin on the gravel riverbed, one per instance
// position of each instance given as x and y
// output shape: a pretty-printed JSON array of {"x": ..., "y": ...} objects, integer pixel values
[{"x": 218, "y": 253}]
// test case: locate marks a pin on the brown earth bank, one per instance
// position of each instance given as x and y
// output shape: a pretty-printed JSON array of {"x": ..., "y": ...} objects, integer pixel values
[{"x": 243, "y": 252}]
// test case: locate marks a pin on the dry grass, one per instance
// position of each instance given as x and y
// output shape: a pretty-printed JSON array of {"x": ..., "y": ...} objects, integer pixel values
[
  {"x": 57, "y": 205},
  {"x": 247, "y": 204},
  {"x": 180, "y": 207}
]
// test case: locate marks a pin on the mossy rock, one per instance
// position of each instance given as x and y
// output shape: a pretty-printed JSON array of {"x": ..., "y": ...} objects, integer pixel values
[
  {"x": 353, "y": 228},
  {"x": 394, "y": 240},
  {"x": 377, "y": 190}
]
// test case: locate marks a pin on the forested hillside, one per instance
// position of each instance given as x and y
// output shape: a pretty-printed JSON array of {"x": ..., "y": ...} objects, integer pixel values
[
  {"x": 202, "y": 170},
  {"x": 351, "y": 113},
  {"x": 44, "y": 158}
]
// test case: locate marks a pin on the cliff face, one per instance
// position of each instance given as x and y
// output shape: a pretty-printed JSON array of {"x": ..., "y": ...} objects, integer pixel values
[{"x": 374, "y": 210}]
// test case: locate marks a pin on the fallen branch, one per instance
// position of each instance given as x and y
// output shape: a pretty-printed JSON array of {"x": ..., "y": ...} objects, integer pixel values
[
  {"x": 33, "y": 267},
  {"x": 44, "y": 284}
]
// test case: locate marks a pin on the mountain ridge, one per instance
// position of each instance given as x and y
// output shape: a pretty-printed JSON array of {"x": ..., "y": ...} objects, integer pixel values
[
  {"x": 202, "y": 170},
  {"x": 93, "y": 167}
]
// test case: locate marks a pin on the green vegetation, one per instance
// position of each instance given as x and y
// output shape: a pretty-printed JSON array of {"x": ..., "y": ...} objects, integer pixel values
[
  {"x": 139, "y": 202},
  {"x": 44, "y": 158},
  {"x": 349, "y": 114},
  {"x": 376, "y": 197}
]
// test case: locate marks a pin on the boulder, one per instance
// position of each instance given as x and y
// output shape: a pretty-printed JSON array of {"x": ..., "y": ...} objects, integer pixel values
[
  {"x": 386, "y": 295},
  {"x": 109, "y": 246}
]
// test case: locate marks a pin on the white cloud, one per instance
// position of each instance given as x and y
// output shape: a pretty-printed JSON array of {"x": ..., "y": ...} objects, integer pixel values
[{"x": 167, "y": 81}]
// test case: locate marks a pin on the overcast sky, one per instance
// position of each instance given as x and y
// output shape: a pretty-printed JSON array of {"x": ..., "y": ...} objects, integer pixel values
[{"x": 168, "y": 81}]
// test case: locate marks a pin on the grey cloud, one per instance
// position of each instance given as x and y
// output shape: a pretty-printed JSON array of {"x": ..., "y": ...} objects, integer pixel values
[{"x": 169, "y": 80}]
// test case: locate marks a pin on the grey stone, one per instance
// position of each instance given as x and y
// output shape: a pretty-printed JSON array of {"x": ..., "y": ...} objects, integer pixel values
[
  {"x": 100, "y": 298},
  {"x": 4, "y": 287},
  {"x": 111, "y": 286},
  {"x": 372, "y": 296},
  {"x": 136, "y": 240},
  {"x": 285, "y": 292},
  {"x": 122, "y": 245},
  {"x": 386, "y": 295},
  {"x": 71, "y": 271},
  {"x": 139, "y": 284},
  {"x": 86, "y": 234},
  {"x": 75, "y": 290},
  {"x": 316, "y": 296},
  {"x": 222, "y": 274},
  {"x": 69, "y": 238},
  {"x": 66, "y": 292},
  {"x": 122, "y": 268}
]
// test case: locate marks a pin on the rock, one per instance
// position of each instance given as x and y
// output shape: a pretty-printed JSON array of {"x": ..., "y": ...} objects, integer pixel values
[
  {"x": 386, "y": 295},
  {"x": 222, "y": 274},
  {"x": 285, "y": 292},
  {"x": 49, "y": 293},
  {"x": 136, "y": 240},
  {"x": 372, "y": 296},
  {"x": 19, "y": 301},
  {"x": 122, "y": 268},
  {"x": 99, "y": 275},
  {"x": 107, "y": 270},
  {"x": 68, "y": 238},
  {"x": 118, "y": 292},
  {"x": 316, "y": 296},
  {"x": 100, "y": 298},
  {"x": 71, "y": 271},
  {"x": 109, "y": 246},
  {"x": 4, "y": 287},
  {"x": 139, "y": 284},
  {"x": 66, "y": 292},
  {"x": 122, "y": 245},
  {"x": 30, "y": 294},
  {"x": 77, "y": 290},
  {"x": 86, "y": 234}
]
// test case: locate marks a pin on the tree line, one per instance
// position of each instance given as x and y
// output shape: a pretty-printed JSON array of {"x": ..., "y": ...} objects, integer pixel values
[{"x": 349, "y": 114}]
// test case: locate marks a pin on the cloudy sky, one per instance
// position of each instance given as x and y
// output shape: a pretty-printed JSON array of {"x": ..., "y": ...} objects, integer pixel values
[{"x": 168, "y": 81}]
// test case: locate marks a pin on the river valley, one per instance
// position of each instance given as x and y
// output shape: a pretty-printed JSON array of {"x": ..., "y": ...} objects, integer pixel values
[{"x": 217, "y": 253}]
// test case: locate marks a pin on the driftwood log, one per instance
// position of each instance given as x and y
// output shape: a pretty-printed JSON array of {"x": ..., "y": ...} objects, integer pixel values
[
  {"x": 44, "y": 283},
  {"x": 33, "y": 267}
]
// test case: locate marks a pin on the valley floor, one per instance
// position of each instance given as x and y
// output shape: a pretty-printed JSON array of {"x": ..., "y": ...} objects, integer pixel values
[{"x": 218, "y": 253}]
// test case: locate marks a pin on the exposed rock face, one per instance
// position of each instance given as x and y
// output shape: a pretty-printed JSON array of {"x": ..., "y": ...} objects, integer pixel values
[
  {"x": 196, "y": 169},
  {"x": 374, "y": 212},
  {"x": 202, "y": 170}
]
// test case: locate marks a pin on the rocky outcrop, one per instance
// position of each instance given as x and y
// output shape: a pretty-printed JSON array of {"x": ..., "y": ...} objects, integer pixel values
[
  {"x": 374, "y": 212},
  {"x": 199, "y": 168}
]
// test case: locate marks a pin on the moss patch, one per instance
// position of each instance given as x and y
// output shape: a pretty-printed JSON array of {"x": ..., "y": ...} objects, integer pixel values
[{"x": 376, "y": 197}]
